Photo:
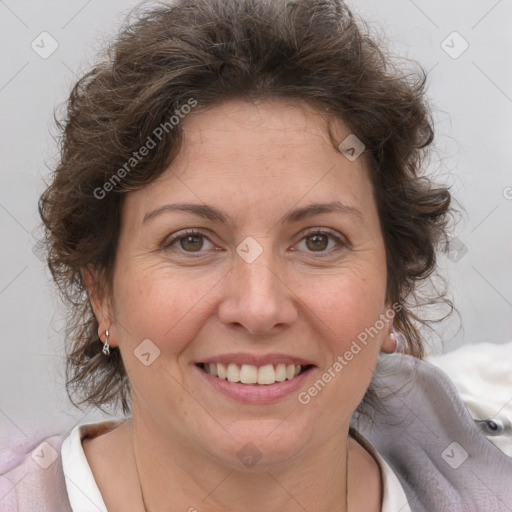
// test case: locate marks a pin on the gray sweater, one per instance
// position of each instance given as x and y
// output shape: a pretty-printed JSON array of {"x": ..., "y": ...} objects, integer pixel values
[{"x": 422, "y": 428}]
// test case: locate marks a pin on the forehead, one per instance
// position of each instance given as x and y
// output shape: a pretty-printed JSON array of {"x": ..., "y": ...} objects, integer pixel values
[
  {"x": 270, "y": 149},
  {"x": 264, "y": 134}
]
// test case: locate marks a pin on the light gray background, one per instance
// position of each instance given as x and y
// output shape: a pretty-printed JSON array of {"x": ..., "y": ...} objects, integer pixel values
[{"x": 472, "y": 96}]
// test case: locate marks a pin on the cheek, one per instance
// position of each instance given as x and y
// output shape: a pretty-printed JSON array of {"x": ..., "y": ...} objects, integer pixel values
[
  {"x": 351, "y": 350},
  {"x": 159, "y": 305},
  {"x": 346, "y": 305},
  {"x": 347, "y": 312}
]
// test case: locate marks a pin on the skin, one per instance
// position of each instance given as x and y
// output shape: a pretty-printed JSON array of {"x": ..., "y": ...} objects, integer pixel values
[{"x": 255, "y": 162}]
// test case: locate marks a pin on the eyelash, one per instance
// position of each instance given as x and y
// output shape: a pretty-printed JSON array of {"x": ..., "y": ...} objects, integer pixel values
[{"x": 307, "y": 233}]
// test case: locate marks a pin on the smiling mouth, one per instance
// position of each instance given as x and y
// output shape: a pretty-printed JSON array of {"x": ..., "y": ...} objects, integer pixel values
[{"x": 254, "y": 375}]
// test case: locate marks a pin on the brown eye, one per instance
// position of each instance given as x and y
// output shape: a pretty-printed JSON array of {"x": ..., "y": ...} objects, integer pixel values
[
  {"x": 188, "y": 242},
  {"x": 322, "y": 241},
  {"x": 318, "y": 242},
  {"x": 191, "y": 243}
]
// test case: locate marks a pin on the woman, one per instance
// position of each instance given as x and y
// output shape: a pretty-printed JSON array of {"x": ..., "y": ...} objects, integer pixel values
[{"x": 239, "y": 221}]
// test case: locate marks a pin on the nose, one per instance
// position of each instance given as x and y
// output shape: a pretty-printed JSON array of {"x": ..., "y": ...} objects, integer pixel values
[{"x": 257, "y": 298}]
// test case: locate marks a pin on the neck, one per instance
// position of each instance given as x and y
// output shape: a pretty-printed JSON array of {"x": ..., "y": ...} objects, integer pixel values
[{"x": 318, "y": 481}]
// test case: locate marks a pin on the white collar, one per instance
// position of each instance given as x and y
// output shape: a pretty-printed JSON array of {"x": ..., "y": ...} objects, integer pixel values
[{"x": 84, "y": 494}]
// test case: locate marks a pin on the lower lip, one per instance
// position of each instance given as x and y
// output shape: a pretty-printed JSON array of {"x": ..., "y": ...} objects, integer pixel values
[{"x": 256, "y": 393}]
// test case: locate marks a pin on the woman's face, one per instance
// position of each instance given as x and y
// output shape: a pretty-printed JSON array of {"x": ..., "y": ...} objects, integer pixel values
[{"x": 249, "y": 274}]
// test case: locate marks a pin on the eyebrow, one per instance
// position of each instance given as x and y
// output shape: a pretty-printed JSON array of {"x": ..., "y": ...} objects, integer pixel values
[{"x": 213, "y": 214}]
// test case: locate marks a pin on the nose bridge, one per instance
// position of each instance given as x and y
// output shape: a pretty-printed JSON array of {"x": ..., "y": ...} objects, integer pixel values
[
  {"x": 258, "y": 298},
  {"x": 258, "y": 280},
  {"x": 255, "y": 259}
]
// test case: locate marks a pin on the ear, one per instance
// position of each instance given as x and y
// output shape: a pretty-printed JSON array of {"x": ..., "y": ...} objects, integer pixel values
[
  {"x": 389, "y": 342},
  {"x": 100, "y": 302}
]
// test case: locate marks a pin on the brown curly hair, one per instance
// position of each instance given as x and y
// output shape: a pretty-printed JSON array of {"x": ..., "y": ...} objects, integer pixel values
[{"x": 214, "y": 50}]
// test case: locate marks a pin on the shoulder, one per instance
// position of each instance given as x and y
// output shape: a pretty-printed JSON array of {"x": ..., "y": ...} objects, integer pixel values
[
  {"x": 425, "y": 430},
  {"x": 31, "y": 476},
  {"x": 32, "y": 473}
]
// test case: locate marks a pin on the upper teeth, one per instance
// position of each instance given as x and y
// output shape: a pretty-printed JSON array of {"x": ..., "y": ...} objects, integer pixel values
[{"x": 250, "y": 374}]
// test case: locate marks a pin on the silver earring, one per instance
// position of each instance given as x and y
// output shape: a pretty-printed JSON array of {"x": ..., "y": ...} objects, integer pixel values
[{"x": 106, "y": 347}]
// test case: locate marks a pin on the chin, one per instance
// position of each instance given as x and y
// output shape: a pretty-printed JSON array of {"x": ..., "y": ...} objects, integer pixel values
[{"x": 259, "y": 443}]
